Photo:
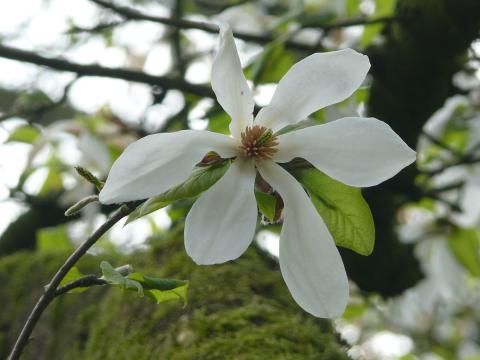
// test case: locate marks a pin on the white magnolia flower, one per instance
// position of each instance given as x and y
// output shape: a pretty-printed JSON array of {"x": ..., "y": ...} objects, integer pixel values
[{"x": 221, "y": 224}]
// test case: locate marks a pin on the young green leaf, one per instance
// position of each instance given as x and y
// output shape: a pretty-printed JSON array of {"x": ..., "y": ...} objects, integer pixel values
[
  {"x": 344, "y": 210},
  {"x": 201, "y": 179},
  {"x": 114, "y": 277},
  {"x": 53, "y": 182},
  {"x": 53, "y": 239},
  {"x": 161, "y": 290},
  {"x": 271, "y": 65},
  {"x": 218, "y": 120},
  {"x": 26, "y": 134},
  {"x": 266, "y": 204},
  {"x": 465, "y": 245},
  {"x": 382, "y": 8}
]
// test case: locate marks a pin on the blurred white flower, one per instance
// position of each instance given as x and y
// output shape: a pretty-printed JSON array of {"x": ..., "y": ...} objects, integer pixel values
[{"x": 443, "y": 290}]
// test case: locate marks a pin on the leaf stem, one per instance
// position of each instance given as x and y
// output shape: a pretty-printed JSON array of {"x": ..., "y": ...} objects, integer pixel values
[{"x": 50, "y": 291}]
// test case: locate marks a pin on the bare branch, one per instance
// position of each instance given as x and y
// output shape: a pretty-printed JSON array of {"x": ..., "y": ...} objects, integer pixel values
[
  {"x": 133, "y": 14},
  {"x": 97, "y": 70},
  {"x": 86, "y": 281},
  {"x": 355, "y": 22},
  {"x": 464, "y": 160}
]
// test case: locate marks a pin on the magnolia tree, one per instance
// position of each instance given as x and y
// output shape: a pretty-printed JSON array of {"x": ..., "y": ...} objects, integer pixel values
[{"x": 123, "y": 142}]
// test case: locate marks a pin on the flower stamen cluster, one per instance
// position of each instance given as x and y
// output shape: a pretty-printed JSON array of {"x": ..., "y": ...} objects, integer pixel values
[{"x": 258, "y": 142}]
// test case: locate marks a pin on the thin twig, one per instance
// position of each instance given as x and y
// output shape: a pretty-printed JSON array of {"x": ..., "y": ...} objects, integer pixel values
[
  {"x": 452, "y": 186},
  {"x": 133, "y": 14},
  {"x": 86, "y": 281},
  {"x": 464, "y": 160},
  {"x": 95, "y": 29},
  {"x": 355, "y": 22},
  {"x": 441, "y": 144},
  {"x": 452, "y": 205},
  {"x": 49, "y": 293},
  {"x": 90, "y": 280},
  {"x": 97, "y": 70}
]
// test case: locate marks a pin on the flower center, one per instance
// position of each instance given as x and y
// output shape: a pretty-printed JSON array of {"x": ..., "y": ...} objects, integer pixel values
[{"x": 258, "y": 142}]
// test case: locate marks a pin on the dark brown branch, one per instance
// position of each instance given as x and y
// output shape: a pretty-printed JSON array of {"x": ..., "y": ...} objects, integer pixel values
[
  {"x": 86, "y": 281},
  {"x": 452, "y": 186},
  {"x": 355, "y": 22},
  {"x": 49, "y": 293},
  {"x": 464, "y": 160},
  {"x": 133, "y": 14},
  {"x": 91, "y": 280},
  {"x": 95, "y": 29},
  {"x": 441, "y": 144},
  {"x": 97, "y": 70}
]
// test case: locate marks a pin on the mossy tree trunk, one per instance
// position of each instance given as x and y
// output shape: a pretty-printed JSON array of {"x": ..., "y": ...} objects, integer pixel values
[{"x": 239, "y": 310}]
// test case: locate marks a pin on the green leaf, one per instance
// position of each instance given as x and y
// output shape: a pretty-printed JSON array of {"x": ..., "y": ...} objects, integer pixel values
[
  {"x": 266, "y": 204},
  {"x": 53, "y": 182},
  {"x": 53, "y": 239},
  {"x": 317, "y": 19},
  {"x": 26, "y": 134},
  {"x": 352, "y": 7},
  {"x": 218, "y": 121},
  {"x": 465, "y": 245},
  {"x": 200, "y": 180},
  {"x": 272, "y": 64},
  {"x": 72, "y": 275},
  {"x": 382, "y": 8},
  {"x": 343, "y": 208},
  {"x": 33, "y": 100},
  {"x": 354, "y": 311},
  {"x": 112, "y": 276},
  {"x": 157, "y": 289},
  {"x": 161, "y": 290}
]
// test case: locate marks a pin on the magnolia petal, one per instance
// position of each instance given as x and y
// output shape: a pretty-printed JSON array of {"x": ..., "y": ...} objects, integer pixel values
[
  {"x": 157, "y": 162},
  {"x": 356, "y": 151},
  {"x": 310, "y": 263},
  {"x": 221, "y": 224},
  {"x": 229, "y": 84},
  {"x": 313, "y": 83}
]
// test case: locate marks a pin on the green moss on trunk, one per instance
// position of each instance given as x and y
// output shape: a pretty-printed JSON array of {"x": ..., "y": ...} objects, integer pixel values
[{"x": 239, "y": 310}]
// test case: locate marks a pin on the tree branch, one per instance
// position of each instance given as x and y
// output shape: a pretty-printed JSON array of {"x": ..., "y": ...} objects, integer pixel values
[
  {"x": 97, "y": 70},
  {"x": 50, "y": 291},
  {"x": 90, "y": 280},
  {"x": 95, "y": 29},
  {"x": 441, "y": 144},
  {"x": 464, "y": 160},
  {"x": 86, "y": 281},
  {"x": 133, "y": 14},
  {"x": 355, "y": 22}
]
